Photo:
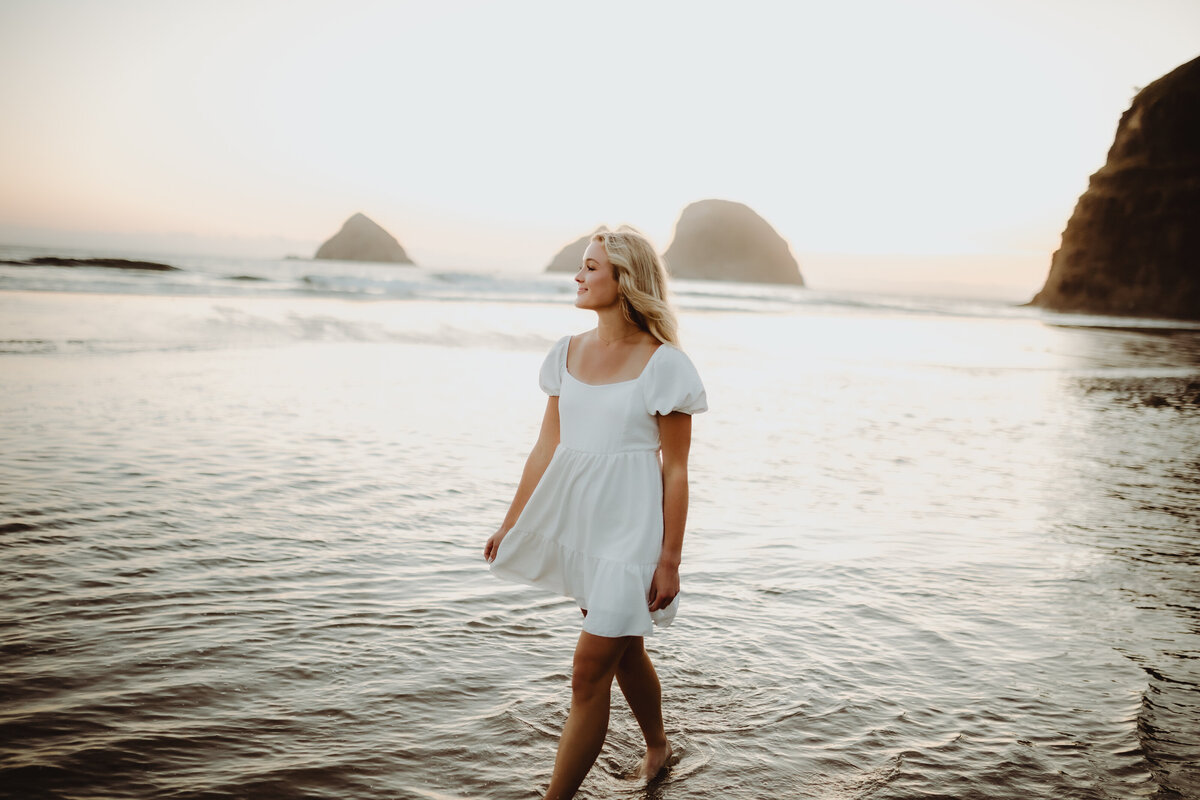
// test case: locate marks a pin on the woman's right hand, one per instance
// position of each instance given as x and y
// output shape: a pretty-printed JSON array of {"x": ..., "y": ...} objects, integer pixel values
[{"x": 492, "y": 547}]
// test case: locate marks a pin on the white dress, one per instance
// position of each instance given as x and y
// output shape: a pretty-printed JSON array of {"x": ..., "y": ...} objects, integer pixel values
[{"x": 593, "y": 527}]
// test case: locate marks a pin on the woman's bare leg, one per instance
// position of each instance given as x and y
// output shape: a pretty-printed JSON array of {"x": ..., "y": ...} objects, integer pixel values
[
  {"x": 596, "y": 659},
  {"x": 639, "y": 683}
]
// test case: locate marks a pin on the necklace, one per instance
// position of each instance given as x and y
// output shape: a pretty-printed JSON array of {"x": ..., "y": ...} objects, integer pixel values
[{"x": 619, "y": 338}]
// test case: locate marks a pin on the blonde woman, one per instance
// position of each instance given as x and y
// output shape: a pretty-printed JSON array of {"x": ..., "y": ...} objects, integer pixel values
[{"x": 600, "y": 510}]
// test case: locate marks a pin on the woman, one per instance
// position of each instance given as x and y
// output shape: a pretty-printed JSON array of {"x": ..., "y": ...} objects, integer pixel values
[{"x": 600, "y": 509}]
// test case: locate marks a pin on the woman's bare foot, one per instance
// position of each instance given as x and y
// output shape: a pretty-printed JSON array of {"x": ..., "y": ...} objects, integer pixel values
[{"x": 655, "y": 761}]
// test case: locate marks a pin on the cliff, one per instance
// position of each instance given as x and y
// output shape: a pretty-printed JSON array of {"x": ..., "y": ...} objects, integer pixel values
[
  {"x": 1132, "y": 245},
  {"x": 722, "y": 240},
  {"x": 361, "y": 239}
]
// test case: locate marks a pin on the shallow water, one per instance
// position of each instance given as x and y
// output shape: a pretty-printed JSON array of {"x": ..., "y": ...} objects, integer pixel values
[{"x": 930, "y": 554}]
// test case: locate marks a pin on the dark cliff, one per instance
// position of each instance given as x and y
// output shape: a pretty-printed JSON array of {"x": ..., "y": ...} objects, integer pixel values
[{"x": 1132, "y": 245}]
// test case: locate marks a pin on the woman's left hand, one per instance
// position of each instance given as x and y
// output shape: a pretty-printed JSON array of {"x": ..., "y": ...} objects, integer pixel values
[{"x": 664, "y": 586}]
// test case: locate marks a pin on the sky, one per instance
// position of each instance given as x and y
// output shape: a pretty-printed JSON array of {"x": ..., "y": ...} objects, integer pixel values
[{"x": 486, "y": 135}]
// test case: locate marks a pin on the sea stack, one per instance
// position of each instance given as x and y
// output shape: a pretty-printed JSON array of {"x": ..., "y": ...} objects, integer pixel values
[
  {"x": 1132, "y": 245},
  {"x": 570, "y": 257},
  {"x": 361, "y": 239},
  {"x": 726, "y": 241}
]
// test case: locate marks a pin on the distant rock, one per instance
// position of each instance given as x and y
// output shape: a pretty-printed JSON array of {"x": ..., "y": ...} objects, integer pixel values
[
  {"x": 361, "y": 239},
  {"x": 571, "y": 257},
  {"x": 110, "y": 263},
  {"x": 1132, "y": 245},
  {"x": 726, "y": 241}
]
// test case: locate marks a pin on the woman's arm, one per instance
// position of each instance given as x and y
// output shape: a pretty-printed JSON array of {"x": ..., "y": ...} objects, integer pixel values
[
  {"x": 535, "y": 467},
  {"x": 675, "y": 434}
]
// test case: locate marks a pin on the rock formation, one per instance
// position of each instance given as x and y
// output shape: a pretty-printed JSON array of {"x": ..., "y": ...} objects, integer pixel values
[
  {"x": 112, "y": 263},
  {"x": 721, "y": 240},
  {"x": 361, "y": 239},
  {"x": 570, "y": 257},
  {"x": 1132, "y": 245}
]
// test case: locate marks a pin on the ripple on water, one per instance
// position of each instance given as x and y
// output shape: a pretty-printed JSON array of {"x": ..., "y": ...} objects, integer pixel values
[{"x": 259, "y": 576}]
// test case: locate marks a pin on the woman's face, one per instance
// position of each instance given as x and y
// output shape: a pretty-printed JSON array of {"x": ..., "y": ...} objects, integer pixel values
[{"x": 595, "y": 282}]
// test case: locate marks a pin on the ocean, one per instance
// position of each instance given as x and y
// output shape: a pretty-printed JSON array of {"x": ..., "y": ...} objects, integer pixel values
[{"x": 937, "y": 548}]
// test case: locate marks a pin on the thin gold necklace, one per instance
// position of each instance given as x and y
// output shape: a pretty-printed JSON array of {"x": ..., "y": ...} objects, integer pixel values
[{"x": 619, "y": 338}]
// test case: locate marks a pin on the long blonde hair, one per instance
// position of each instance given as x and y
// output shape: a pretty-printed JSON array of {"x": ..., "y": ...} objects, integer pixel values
[{"x": 642, "y": 280}]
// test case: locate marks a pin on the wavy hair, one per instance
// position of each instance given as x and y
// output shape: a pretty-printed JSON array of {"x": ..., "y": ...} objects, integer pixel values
[{"x": 642, "y": 280}]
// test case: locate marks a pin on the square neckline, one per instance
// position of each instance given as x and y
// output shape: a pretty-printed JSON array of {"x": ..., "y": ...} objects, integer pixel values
[{"x": 645, "y": 367}]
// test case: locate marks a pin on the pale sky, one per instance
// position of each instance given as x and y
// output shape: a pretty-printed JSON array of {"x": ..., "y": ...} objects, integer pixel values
[{"x": 488, "y": 134}]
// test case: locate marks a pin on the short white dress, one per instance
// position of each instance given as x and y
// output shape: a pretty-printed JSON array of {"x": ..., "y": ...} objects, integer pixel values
[{"x": 593, "y": 527}]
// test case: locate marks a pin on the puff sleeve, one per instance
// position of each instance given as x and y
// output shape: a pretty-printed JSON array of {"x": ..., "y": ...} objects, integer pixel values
[
  {"x": 672, "y": 384},
  {"x": 550, "y": 377}
]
